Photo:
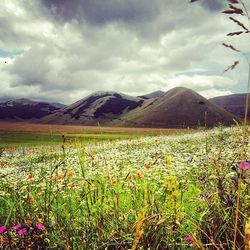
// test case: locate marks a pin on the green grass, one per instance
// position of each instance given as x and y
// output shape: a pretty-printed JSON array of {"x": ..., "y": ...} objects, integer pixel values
[
  {"x": 27, "y": 138},
  {"x": 35, "y": 139},
  {"x": 143, "y": 193}
]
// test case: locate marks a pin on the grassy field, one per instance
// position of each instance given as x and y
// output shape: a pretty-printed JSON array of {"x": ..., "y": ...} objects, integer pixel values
[
  {"x": 20, "y": 139},
  {"x": 25, "y": 134},
  {"x": 186, "y": 191}
]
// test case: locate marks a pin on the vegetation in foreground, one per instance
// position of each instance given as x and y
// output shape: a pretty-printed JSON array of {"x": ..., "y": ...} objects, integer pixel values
[{"x": 178, "y": 192}]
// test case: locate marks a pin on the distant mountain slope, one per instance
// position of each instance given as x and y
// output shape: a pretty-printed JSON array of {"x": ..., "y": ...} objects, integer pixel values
[
  {"x": 25, "y": 109},
  {"x": 97, "y": 107},
  {"x": 154, "y": 94},
  {"x": 234, "y": 104},
  {"x": 58, "y": 105},
  {"x": 179, "y": 107}
]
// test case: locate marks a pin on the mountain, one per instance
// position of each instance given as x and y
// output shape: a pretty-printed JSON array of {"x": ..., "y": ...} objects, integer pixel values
[
  {"x": 179, "y": 107},
  {"x": 99, "y": 107},
  {"x": 57, "y": 105},
  {"x": 154, "y": 94},
  {"x": 25, "y": 109},
  {"x": 234, "y": 104}
]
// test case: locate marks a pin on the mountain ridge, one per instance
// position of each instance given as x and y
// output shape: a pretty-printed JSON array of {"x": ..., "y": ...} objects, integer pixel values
[
  {"x": 100, "y": 106},
  {"x": 177, "y": 107},
  {"x": 26, "y": 109},
  {"x": 235, "y": 104}
]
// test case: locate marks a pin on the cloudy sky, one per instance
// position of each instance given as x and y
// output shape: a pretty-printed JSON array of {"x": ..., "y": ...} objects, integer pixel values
[{"x": 62, "y": 50}]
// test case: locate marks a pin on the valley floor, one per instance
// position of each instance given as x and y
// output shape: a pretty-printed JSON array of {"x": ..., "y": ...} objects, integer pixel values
[{"x": 26, "y": 134}]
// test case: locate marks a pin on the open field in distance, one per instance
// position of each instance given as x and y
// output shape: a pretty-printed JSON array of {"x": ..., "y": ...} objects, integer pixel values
[{"x": 20, "y": 134}]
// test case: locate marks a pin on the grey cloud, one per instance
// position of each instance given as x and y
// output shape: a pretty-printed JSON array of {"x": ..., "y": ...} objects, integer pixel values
[
  {"x": 130, "y": 46},
  {"x": 31, "y": 67},
  {"x": 100, "y": 12},
  {"x": 51, "y": 69},
  {"x": 148, "y": 20},
  {"x": 9, "y": 37},
  {"x": 27, "y": 25},
  {"x": 213, "y": 5}
]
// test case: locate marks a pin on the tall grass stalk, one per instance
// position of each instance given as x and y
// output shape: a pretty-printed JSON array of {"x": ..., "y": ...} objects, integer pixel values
[{"x": 238, "y": 7}]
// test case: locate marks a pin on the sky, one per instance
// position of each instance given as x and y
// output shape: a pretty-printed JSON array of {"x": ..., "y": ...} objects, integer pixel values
[{"x": 63, "y": 50}]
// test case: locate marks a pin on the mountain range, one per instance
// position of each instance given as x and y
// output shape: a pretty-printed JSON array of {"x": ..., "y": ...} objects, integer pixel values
[
  {"x": 25, "y": 109},
  {"x": 177, "y": 108},
  {"x": 234, "y": 104}
]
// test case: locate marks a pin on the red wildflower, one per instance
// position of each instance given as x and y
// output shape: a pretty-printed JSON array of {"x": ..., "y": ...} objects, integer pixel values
[
  {"x": 148, "y": 166},
  {"x": 138, "y": 175},
  {"x": 30, "y": 176},
  {"x": 113, "y": 182},
  {"x": 70, "y": 173},
  {"x": 60, "y": 177},
  {"x": 28, "y": 223}
]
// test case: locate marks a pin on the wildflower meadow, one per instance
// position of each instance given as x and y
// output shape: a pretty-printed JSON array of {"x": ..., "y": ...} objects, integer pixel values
[{"x": 154, "y": 192}]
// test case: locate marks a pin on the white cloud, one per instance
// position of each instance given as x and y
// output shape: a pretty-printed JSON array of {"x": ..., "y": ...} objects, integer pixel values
[
  {"x": 209, "y": 86},
  {"x": 166, "y": 44},
  {"x": 209, "y": 93},
  {"x": 202, "y": 82}
]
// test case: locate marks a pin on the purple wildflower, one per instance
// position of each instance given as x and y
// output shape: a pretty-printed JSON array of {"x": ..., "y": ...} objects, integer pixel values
[
  {"x": 15, "y": 227},
  {"x": 189, "y": 239},
  {"x": 2, "y": 229},
  {"x": 244, "y": 165},
  {"x": 22, "y": 231},
  {"x": 40, "y": 226}
]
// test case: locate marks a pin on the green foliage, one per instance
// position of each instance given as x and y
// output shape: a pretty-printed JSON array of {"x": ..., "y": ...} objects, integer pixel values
[{"x": 126, "y": 193}]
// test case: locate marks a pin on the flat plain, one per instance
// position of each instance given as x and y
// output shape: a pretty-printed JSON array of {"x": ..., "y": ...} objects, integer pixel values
[{"x": 20, "y": 134}]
